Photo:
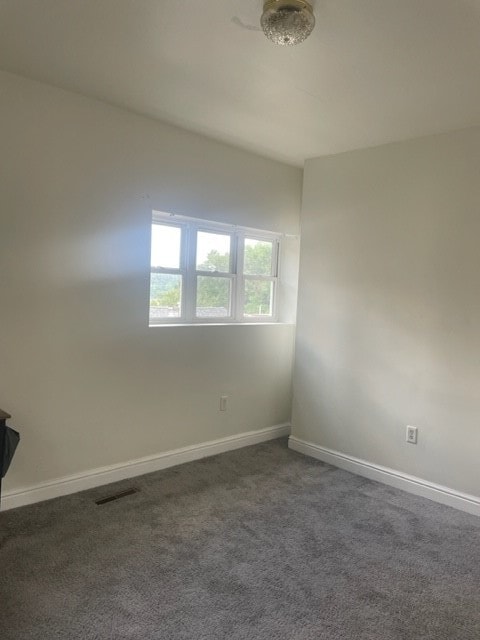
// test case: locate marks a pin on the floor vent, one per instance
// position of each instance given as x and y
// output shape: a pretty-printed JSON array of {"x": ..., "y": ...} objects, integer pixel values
[{"x": 117, "y": 496}]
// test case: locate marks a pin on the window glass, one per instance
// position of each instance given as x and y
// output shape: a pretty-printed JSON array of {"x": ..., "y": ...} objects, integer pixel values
[
  {"x": 258, "y": 300},
  {"x": 165, "y": 296},
  {"x": 257, "y": 260},
  {"x": 213, "y": 297},
  {"x": 166, "y": 242},
  {"x": 213, "y": 252}
]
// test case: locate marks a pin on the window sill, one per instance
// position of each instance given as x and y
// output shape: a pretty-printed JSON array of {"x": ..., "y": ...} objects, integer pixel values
[{"x": 222, "y": 324}]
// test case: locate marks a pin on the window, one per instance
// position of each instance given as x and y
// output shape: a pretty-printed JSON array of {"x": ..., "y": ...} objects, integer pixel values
[{"x": 204, "y": 272}]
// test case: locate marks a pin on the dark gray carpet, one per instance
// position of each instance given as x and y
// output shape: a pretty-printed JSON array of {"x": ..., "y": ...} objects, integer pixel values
[{"x": 260, "y": 543}]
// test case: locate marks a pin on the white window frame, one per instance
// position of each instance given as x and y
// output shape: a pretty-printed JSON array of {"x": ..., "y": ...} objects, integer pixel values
[{"x": 189, "y": 273}]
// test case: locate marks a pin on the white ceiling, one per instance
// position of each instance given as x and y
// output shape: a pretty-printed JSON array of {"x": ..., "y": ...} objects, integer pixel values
[{"x": 373, "y": 71}]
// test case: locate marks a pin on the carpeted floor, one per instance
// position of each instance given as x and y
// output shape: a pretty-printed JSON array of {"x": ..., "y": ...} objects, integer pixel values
[{"x": 256, "y": 544}]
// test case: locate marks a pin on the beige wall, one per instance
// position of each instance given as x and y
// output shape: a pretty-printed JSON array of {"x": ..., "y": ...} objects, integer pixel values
[
  {"x": 389, "y": 307},
  {"x": 88, "y": 383}
]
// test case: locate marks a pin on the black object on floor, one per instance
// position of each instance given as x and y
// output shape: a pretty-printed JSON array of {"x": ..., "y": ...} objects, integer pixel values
[{"x": 9, "y": 439}]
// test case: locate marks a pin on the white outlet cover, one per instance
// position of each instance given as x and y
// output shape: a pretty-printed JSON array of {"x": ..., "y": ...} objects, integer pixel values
[{"x": 412, "y": 434}]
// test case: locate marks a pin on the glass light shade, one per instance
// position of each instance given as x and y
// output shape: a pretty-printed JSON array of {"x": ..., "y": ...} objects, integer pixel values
[{"x": 287, "y": 22}]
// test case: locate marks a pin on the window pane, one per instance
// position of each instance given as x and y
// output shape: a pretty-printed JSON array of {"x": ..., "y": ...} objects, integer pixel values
[
  {"x": 258, "y": 257},
  {"x": 165, "y": 296},
  {"x": 213, "y": 252},
  {"x": 258, "y": 298},
  {"x": 213, "y": 297},
  {"x": 166, "y": 241}
]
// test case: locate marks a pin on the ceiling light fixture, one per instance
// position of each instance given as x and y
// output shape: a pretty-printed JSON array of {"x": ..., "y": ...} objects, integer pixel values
[{"x": 287, "y": 22}]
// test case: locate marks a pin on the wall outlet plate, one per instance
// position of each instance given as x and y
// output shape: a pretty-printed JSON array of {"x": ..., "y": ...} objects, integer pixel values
[{"x": 412, "y": 434}]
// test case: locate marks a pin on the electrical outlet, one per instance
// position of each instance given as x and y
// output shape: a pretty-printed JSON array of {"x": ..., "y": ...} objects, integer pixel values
[
  {"x": 223, "y": 403},
  {"x": 412, "y": 435}
]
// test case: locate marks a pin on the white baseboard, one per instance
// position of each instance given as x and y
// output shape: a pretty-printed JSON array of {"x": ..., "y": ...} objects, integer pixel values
[
  {"x": 113, "y": 473},
  {"x": 412, "y": 484}
]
